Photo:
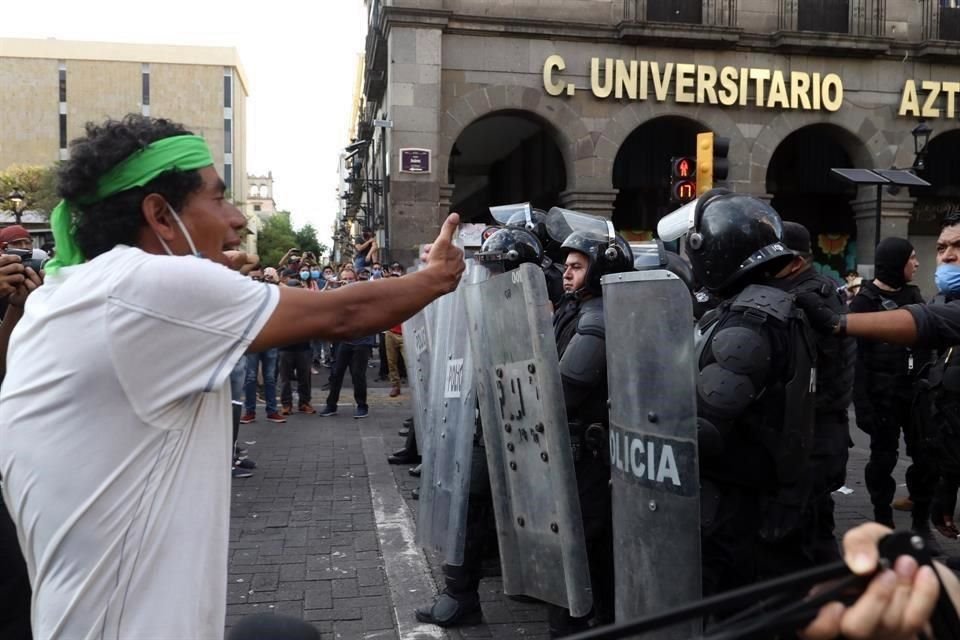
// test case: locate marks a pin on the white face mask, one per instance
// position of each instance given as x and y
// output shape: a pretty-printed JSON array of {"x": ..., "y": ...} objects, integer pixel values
[{"x": 186, "y": 235}]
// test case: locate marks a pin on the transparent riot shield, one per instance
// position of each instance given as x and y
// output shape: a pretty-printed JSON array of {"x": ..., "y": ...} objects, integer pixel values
[
  {"x": 447, "y": 443},
  {"x": 525, "y": 431},
  {"x": 653, "y": 445},
  {"x": 416, "y": 355}
]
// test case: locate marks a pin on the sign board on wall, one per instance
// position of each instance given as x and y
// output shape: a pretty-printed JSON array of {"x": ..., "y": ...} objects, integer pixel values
[{"x": 415, "y": 160}]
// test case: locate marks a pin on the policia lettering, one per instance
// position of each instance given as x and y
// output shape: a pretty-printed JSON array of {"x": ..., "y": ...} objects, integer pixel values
[{"x": 702, "y": 84}]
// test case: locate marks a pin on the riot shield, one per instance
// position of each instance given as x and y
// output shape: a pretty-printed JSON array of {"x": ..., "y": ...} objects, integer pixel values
[
  {"x": 447, "y": 443},
  {"x": 653, "y": 445},
  {"x": 525, "y": 431},
  {"x": 416, "y": 355}
]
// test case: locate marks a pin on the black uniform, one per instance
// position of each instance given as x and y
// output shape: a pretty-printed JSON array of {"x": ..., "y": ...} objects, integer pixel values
[
  {"x": 756, "y": 365},
  {"x": 883, "y": 398},
  {"x": 836, "y": 361},
  {"x": 580, "y": 335}
]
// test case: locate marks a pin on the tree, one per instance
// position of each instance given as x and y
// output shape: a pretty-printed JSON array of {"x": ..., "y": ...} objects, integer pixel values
[
  {"x": 278, "y": 236},
  {"x": 38, "y": 185}
]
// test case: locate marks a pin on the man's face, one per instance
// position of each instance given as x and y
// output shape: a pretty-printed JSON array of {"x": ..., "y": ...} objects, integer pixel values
[
  {"x": 214, "y": 223},
  {"x": 348, "y": 276},
  {"x": 575, "y": 271},
  {"x": 257, "y": 275},
  {"x": 327, "y": 273},
  {"x": 948, "y": 246},
  {"x": 910, "y": 269}
]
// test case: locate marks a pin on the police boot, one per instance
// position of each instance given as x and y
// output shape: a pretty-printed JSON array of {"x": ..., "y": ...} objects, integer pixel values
[
  {"x": 921, "y": 527},
  {"x": 562, "y": 624},
  {"x": 452, "y": 610}
]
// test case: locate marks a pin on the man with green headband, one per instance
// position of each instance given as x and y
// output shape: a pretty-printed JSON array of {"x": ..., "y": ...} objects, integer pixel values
[{"x": 115, "y": 432}]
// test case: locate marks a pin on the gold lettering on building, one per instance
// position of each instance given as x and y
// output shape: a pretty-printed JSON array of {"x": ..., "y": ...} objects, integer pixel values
[{"x": 553, "y": 63}]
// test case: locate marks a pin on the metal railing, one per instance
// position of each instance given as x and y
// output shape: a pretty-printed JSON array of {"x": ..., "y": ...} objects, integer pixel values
[
  {"x": 710, "y": 12},
  {"x": 941, "y": 20}
]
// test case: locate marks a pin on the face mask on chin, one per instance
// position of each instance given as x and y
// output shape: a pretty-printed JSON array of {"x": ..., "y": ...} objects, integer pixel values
[{"x": 186, "y": 235}]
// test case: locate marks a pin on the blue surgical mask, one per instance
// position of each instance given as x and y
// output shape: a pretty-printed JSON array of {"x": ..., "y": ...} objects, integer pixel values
[
  {"x": 186, "y": 235},
  {"x": 315, "y": 275},
  {"x": 304, "y": 275},
  {"x": 948, "y": 278}
]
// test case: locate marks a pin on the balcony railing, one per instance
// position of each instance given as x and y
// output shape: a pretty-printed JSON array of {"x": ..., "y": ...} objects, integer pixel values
[
  {"x": 941, "y": 20},
  {"x": 707, "y": 12}
]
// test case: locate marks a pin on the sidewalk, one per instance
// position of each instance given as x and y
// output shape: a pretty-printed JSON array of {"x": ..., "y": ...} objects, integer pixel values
[{"x": 321, "y": 532}]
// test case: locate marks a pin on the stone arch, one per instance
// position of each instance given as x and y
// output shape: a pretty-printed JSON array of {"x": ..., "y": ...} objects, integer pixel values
[
  {"x": 569, "y": 132},
  {"x": 636, "y": 114}
]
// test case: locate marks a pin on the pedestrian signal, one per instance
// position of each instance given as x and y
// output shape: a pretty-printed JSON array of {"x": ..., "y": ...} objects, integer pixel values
[{"x": 683, "y": 179}]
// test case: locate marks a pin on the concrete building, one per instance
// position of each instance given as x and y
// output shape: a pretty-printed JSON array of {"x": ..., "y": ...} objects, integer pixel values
[
  {"x": 52, "y": 88},
  {"x": 582, "y": 103}
]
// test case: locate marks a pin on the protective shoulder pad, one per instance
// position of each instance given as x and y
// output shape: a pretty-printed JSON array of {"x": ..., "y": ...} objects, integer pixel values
[
  {"x": 591, "y": 319},
  {"x": 769, "y": 301}
]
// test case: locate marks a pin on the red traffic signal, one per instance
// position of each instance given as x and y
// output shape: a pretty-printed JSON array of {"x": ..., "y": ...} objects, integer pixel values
[
  {"x": 684, "y": 191},
  {"x": 684, "y": 168}
]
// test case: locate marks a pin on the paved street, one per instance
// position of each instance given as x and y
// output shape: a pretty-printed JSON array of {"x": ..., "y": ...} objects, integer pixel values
[{"x": 324, "y": 529}]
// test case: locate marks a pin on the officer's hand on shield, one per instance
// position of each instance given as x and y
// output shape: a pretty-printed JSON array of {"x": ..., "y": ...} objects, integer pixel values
[
  {"x": 443, "y": 257},
  {"x": 898, "y": 602}
]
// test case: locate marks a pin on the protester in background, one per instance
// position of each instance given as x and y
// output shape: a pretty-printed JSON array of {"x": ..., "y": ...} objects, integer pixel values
[
  {"x": 367, "y": 250},
  {"x": 294, "y": 361},
  {"x": 376, "y": 271},
  {"x": 15, "y": 237},
  {"x": 354, "y": 355},
  {"x": 267, "y": 359},
  {"x": 394, "y": 348}
]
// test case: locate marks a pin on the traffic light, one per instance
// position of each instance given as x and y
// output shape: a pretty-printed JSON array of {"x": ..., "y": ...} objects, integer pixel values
[
  {"x": 712, "y": 163},
  {"x": 683, "y": 179}
]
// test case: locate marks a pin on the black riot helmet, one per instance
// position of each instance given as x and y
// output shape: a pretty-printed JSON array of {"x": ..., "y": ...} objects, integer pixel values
[
  {"x": 607, "y": 255},
  {"x": 651, "y": 255},
  {"x": 509, "y": 248},
  {"x": 734, "y": 236},
  {"x": 524, "y": 216}
]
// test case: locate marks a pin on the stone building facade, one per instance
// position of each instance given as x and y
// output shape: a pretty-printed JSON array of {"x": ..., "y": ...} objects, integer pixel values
[
  {"x": 54, "y": 87},
  {"x": 582, "y": 103}
]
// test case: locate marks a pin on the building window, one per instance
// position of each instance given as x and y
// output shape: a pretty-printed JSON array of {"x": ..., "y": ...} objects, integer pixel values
[
  {"x": 145, "y": 81},
  {"x": 950, "y": 19},
  {"x": 63, "y": 131},
  {"x": 254, "y": 191},
  {"x": 256, "y": 207},
  {"x": 228, "y": 176},
  {"x": 227, "y": 135},
  {"x": 63, "y": 81},
  {"x": 686, "y": 11},
  {"x": 227, "y": 88},
  {"x": 264, "y": 192},
  {"x": 831, "y": 16}
]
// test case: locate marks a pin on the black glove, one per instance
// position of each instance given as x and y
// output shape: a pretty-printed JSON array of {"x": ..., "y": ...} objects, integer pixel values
[{"x": 822, "y": 317}]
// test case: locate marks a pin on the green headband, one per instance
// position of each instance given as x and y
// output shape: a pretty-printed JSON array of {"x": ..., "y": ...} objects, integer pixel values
[{"x": 186, "y": 153}]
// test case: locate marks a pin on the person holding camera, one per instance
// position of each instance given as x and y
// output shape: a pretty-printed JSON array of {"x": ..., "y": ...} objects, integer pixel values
[
  {"x": 142, "y": 316},
  {"x": 367, "y": 250}
]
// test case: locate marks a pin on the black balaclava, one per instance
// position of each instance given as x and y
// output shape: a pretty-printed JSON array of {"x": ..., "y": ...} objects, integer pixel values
[{"x": 892, "y": 256}]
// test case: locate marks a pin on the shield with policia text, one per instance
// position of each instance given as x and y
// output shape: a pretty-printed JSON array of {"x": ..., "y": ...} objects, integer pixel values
[
  {"x": 525, "y": 431},
  {"x": 653, "y": 445},
  {"x": 416, "y": 355},
  {"x": 446, "y": 445}
]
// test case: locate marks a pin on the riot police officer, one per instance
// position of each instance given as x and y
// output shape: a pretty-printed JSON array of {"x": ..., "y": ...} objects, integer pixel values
[
  {"x": 458, "y": 604},
  {"x": 886, "y": 377},
  {"x": 756, "y": 364},
  {"x": 580, "y": 335},
  {"x": 836, "y": 359}
]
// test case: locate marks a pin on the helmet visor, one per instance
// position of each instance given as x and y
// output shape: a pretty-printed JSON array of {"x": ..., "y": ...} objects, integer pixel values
[
  {"x": 678, "y": 223},
  {"x": 513, "y": 214},
  {"x": 562, "y": 222}
]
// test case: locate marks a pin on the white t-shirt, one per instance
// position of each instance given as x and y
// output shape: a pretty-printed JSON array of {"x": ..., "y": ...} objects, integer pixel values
[{"x": 115, "y": 428}]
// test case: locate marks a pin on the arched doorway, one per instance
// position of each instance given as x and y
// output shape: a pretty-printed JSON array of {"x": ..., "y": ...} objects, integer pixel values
[
  {"x": 805, "y": 191},
  {"x": 641, "y": 173},
  {"x": 505, "y": 157},
  {"x": 941, "y": 168}
]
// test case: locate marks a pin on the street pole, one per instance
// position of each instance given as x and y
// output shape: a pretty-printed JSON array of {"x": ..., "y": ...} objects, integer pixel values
[{"x": 879, "y": 216}]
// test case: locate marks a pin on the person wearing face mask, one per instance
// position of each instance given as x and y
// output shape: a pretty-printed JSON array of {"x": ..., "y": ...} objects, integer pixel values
[
  {"x": 122, "y": 361},
  {"x": 886, "y": 375}
]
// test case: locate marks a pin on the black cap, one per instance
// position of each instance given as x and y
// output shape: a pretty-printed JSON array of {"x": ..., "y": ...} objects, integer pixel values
[{"x": 797, "y": 238}]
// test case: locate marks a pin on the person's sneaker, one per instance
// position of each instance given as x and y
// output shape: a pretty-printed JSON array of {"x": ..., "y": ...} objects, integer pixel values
[
  {"x": 903, "y": 503},
  {"x": 306, "y": 408},
  {"x": 244, "y": 463},
  {"x": 452, "y": 611},
  {"x": 277, "y": 417},
  {"x": 247, "y": 418},
  {"x": 241, "y": 473},
  {"x": 924, "y": 531},
  {"x": 394, "y": 392},
  {"x": 328, "y": 411},
  {"x": 286, "y": 410},
  {"x": 361, "y": 412}
]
